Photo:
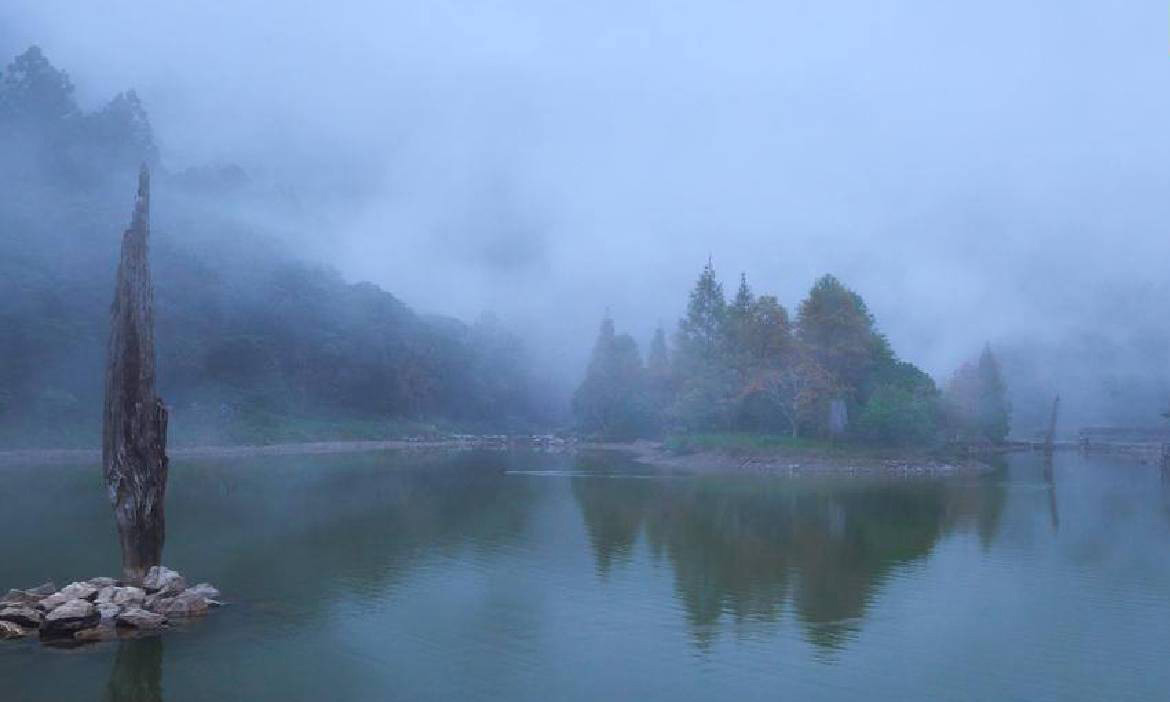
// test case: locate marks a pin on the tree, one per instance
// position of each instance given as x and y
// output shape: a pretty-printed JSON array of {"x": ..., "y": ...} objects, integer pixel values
[
  {"x": 34, "y": 92},
  {"x": 705, "y": 374},
  {"x": 836, "y": 326},
  {"x": 797, "y": 390},
  {"x": 120, "y": 133},
  {"x": 768, "y": 337},
  {"x": 977, "y": 402},
  {"x": 612, "y": 401}
]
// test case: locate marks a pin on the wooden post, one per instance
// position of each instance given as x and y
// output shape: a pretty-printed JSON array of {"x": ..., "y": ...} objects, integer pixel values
[
  {"x": 134, "y": 420},
  {"x": 1051, "y": 437}
]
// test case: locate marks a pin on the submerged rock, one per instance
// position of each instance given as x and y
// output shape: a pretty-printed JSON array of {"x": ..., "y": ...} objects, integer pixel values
[
  {"x": 69, "y": 617},
  {"x": 8, "y": 630},
  {"x": 23, "y": 615},
  {"x": 95, "y": 634},
  {"x": 20, "y": 597},
  {"x": 209, "y": 591},
  {"x": 44, "y": 589}
]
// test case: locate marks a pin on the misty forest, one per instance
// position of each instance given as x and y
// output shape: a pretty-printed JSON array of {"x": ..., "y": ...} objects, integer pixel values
[{"x": 514, "y": 352}]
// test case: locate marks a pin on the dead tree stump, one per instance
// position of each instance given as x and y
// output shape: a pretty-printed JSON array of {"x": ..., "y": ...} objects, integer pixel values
[{"x": 134, "y": 426}]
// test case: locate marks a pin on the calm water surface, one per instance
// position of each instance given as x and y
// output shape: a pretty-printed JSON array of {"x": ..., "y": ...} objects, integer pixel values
[{"x": 528, "y": 577}]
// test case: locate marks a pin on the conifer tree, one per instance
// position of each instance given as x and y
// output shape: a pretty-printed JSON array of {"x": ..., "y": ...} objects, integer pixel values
[
  {"x": 612, "y": 402},
  {"x": 705, "y": 376}
]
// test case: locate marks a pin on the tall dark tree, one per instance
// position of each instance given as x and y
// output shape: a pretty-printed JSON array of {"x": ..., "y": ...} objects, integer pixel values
[
  {"x": 134, "y": 433},
  {"x": 612, "y": 401},
  {"x": 702, "y": 331},
  {"x": 704, "y": 368}
]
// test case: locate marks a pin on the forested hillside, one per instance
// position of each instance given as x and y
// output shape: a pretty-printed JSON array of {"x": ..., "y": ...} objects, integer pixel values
[{"x": 254, "y": 344}]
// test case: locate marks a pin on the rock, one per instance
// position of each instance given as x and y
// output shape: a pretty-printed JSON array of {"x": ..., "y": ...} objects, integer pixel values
[
  {"x": 8, "y": 630},
  {"x": 185, "y": 604},
  {"x": 209, "y": 591},
  {"x": 44, "y": 590},
  {"x": 20, "y": 597},
  {"x": 108, "y": 613},
  {"x": 21, "y": 614},
  {"x": 72, "y": 591},
  {"x": 137, "y": 618},
  {"x": 72, "y": 616},
  {"x": 120, "y": 595},
  {"x": 103, "y": 582},
  {"x": 129, "y": 595},
  {"x": 164, "y": 581}
]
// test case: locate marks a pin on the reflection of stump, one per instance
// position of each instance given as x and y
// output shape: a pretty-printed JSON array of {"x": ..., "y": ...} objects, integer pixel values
[
  {"x": 134, "y": 430},
  {"x": 137, "y": 672}
]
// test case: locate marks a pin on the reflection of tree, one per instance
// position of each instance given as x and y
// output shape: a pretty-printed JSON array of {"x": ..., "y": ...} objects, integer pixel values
[
  {"x": 137, "y": 672},
  {"x": 613, "y": 519},
  {"x": 745, "y": 548}
]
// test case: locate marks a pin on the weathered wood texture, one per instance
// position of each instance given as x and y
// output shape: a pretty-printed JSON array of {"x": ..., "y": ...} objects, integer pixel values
[{"x": 134, "y": 428}]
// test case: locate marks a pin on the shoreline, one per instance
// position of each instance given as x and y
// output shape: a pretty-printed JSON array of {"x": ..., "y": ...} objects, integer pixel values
[
  {"x": 800, "y": 462},
  {"x": 650, "y": 453}
]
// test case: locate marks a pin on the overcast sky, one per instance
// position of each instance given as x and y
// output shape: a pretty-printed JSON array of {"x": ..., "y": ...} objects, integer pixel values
[{"x": 977, "y": 170}]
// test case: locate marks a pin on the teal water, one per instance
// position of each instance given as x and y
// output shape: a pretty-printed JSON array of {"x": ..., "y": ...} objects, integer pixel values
[{"x": 535, "y": 577}]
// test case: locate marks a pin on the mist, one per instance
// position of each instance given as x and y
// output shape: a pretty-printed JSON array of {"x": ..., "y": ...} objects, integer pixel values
[{"x": 985, "y": 173}]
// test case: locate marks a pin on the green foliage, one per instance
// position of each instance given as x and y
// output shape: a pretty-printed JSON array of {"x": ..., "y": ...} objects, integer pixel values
[
  {"x": 739, "y": 366},
  {"x": 252, "y": 343},
  {"x": 837, "y": 328},
  {"x": 976, "y": 400},
  {"x": 897, "y": 416},
  {"x": 613, "y": 402}
]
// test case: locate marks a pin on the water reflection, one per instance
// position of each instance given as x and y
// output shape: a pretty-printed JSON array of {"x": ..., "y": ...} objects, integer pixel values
[
  {"x": 296, "y": 539},
  {"x": 750, "y": 548},
  {"x": 137, "y": 672}
]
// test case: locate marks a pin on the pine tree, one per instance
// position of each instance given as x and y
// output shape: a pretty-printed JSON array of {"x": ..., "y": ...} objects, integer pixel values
[
  {"x": 701, "y": 332},
  {"x": 611, "y": 402},
  {"x": 705, "y": 373}
]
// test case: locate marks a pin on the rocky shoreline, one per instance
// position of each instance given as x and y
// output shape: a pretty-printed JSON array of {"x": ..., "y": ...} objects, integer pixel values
[
  {"x": 794, "y": 463},
  {"x": 99, "y": 609}
]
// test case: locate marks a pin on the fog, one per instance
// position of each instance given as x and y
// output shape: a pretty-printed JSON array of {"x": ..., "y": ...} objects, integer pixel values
[{"x": 979, "y": 172}]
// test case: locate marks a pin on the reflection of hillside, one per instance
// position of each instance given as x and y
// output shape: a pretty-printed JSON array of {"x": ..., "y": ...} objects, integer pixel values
[
  {"x": 746, "y": 548},
  {"x": 362, "y": 524}
]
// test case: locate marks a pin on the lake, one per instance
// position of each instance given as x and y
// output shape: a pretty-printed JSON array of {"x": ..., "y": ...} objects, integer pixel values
[{"x": 496, "y": 576}]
